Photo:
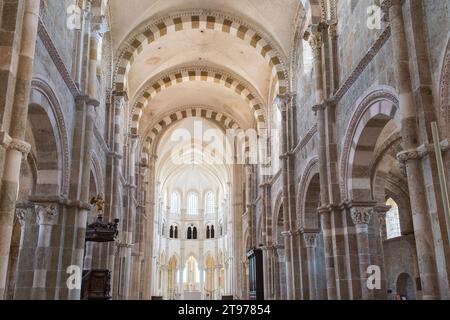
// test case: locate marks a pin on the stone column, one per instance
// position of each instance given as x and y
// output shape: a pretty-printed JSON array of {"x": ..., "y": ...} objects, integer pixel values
[
  {"x": 16, "y": 146},
  {"x": 315, "y": 40},
  {"x": 201, "y": 269},
  {"x": 150, "y": 206},
  {"x": 379, "y": 235},
  {"x": 361, "y": 218},
  {"x": 181, "y": 282},
  {"x": 290, "y": 277},
  {"x": 311, "y": 245},
  {"x": 165, "y": 280},
  {"x": 410, "y": 134},
  {"x": 268, "y": 253},
  {"x": 16, "y": 244},
  {"x": 47, "y": 217},
  {"x": 217, "y": 282}
]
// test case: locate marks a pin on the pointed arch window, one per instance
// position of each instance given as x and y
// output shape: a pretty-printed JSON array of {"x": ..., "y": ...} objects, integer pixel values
[
  {"x": 210, "y": 202},
  {"x": 176, "y": 232},
  {"x": 189, "y": 233},
  {"x": 175, "y": 203},
  {"x": 171, "y": 232},
  {"x": 393, "y": 229},
  {"x": 208, "y": 232},
  {"x": 192, "y": 208},
  {"x": 194, "y": 233}
]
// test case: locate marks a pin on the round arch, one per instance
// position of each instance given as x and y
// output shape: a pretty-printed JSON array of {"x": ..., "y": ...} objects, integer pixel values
[
  {"x": 309, "y": 197},
  {"x": 372, "y": 114},
  {"x": 156, "y": 28},
  {"x": 45, "y": 114},
  {"x": 212, "y": 75}
]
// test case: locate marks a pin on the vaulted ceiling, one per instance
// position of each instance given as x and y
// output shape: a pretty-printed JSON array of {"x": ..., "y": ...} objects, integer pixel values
[{"x": 246, "y": 40}]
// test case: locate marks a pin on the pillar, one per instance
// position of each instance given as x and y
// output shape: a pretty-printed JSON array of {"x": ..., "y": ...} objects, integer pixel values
[
  {"x": 361, "y": 218},
  {"x": 410, "y": 135},
  {"x": 311, "y": 245},
  {"x": 47, "y": 217},
  {"x": 217, "y": 282},
  {"x": 16, "y": 146},
  {"x": 201, "y": 269},
  {"x": 290, "y": 277},
  {"x": 315, "y": 40}
]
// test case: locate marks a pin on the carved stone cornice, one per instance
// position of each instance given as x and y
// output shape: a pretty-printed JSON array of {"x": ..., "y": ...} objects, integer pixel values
[
  {"x": 56, "y": 58},
  {"x": 362, "y": 65},
  {"x": 47, "y": 216},
  {"x": 308, "y": 137},
  {"x": 61, "y": 200},
  {"x": 420, "y": 153}
]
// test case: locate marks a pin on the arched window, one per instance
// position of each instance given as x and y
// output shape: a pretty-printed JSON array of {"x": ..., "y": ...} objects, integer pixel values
[
  {"x": 208, "y": 232},
  {"x": 194, "y": 233},
  {"x": 307, "y": 57},
  {"x": 175, "y": 203},
  {"x": 212, "y": 232},
  {"x": 163, "y": 233},
  {"x": 189, "y": 233},
  {"x": 171, "y": 232},
  {"x": 176, "y": 232},
  {"x": 393, "y": 220},
  {"x": 210, "y": 203},
  {"x": 192, "y": 208}
]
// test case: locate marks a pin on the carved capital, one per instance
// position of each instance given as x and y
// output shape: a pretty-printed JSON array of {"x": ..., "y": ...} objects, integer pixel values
[
  {"x": 20, "y": 215},
  {"x": 47, "y": 216},
  {"x": 361, "y": 216},
  {"x": 19, "y": 145},
  {"x": 317, "y": 108},
  {"x": 333, "y": 30},
  {"x": 5, "y": 139},
  {"x": 408, "y": 155},
  {"x": 282, "y": 102},
  {"x": 310, "y": 239},
  {"x": 315, "y": 41}
]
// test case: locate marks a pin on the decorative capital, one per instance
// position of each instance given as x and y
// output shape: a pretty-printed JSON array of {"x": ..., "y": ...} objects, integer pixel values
[
  {"x": 20, "y": 215},
  {"x": 282, "y": 102},
  {"x": 310, "y": 239},
  {"x": 47, "y": 216},
  {"x": 317, "y": 108},
  {"x": 5, "y": 139},
  {"x": 361, "y": 216},
  {"x": 333, "y": 30},
  {"x": 315, "y": 41},
  {"x": 412, "y": 154},
  {"x": 19, "y": 145}
]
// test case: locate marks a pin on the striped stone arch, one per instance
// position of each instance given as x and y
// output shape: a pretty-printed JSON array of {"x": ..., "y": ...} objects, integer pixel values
[
  {"x": 278, "y": 210},
  {"x": 369, "y": 119},
  {"x": 309, "y": 197},
  {"x": 187, "y": 74},
  {"x": 199, "y": 19},
  {"x": 157, "y": 128},
  {"x": 46, "y": 114}
]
